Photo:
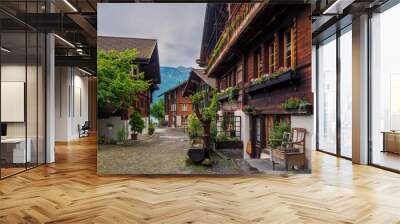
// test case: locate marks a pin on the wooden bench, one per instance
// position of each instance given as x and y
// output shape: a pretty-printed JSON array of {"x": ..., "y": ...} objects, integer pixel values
[{"x": 292, "y": 150}]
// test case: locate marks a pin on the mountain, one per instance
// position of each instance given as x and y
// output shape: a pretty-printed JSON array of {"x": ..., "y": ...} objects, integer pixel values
[{"x": 170, "y": 77}]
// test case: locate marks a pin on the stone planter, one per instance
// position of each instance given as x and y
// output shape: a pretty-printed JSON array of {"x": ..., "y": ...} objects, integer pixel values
[{"x": 229, "y": 145}]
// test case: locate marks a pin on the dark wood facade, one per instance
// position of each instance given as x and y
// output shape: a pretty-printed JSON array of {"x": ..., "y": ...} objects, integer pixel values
[
  {"x": 177, "y": 106},
  {"x": 259, "y": 42},
  {"x": 197, "y": 82},
  {"x": 147, "y": 62}
]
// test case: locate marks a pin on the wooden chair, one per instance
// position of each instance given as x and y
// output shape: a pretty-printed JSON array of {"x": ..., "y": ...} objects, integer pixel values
[{"x": 292, "y": 150}]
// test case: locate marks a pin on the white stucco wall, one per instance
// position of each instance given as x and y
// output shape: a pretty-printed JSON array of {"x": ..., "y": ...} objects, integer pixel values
[
  {"x": 245, "y": 130},
  {"x": 116, "y": 122},
  {"x": 306, "y": 122}
]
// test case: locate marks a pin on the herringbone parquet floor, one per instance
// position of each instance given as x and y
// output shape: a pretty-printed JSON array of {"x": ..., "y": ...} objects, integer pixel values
[{"x": 69, "y": 191}]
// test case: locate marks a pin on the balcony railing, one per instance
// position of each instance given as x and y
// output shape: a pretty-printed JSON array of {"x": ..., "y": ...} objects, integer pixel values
[{"x": 236, "y": 20}]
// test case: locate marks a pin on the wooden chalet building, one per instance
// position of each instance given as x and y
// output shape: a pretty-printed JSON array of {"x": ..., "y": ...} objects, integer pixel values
[
  {"x": 177, "y": 106},
  {"x": 148, "y": 63},
  {"x": 260, "y": 54},
  {"x": 198, "y": 81}
]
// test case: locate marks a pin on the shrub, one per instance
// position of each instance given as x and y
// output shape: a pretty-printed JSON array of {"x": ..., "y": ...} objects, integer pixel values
[
  {"x": 151, "y": 129},
  {"x": 194, "y": 127},
  {"x": 121, "y": 134},
  {"x": 222, "y": 137},
  {"x": 276, "y": 135},
  {"x": 136, "y": 122},
  {"x": 294, "y": 104},
  {"x": 248, "y": 109}
]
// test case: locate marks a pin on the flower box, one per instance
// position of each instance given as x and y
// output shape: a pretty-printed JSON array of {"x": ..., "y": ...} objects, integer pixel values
[
  {"x": 284, "y": 78},
  {"x": 225, "y": 96}
]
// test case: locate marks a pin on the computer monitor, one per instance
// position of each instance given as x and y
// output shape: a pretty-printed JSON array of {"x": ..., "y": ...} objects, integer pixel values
[{"x": 3, "y": 129}]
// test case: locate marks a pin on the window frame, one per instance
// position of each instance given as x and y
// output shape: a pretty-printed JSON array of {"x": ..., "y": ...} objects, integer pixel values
[
  {"x": 258, "y": 63},
  {"x": 286, "y": 33},
  {"x": 271, "y": 57}
]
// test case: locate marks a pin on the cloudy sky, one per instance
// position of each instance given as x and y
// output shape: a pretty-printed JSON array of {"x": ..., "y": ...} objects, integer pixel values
[{"x": 177, "y": 27}]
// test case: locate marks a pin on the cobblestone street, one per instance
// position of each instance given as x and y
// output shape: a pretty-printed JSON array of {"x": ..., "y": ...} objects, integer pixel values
[{"x": 162, "y": 153}]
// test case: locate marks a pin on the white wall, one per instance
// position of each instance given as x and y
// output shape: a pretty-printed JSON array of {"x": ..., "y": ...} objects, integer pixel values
[
  {"x": 306, "y": 122},
  {"x": 116, "y": 123},
  {"x": 69, "y": 112},
  {"x": 245, "y": 132}
]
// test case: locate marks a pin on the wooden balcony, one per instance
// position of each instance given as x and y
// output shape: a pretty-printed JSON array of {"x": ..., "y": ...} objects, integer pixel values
[{"x": 238, "y": 21}]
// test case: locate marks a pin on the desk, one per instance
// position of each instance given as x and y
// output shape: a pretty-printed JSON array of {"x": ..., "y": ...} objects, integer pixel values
[
  {"x": 391, "y": 141},
  {"x": 13, "y": 150}
]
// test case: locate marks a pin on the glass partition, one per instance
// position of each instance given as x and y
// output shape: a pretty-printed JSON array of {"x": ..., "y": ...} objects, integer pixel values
[
  {"x": 385, "y": 89},
  {"x": 14, "y": 153},
  {"x": 327, "y": 95},
  {"x": 22, "y": 77},
  {"x": 346, "y": 92}
]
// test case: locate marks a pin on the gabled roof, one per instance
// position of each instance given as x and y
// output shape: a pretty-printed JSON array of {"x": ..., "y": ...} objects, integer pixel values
[
  {"x": 147, "y": 56},
  {"x": 174, "y": 87},
  {"x": 201, "y": 73},
  {"x": 195, "y": 76},
  {"x": 145, "y": 47}
]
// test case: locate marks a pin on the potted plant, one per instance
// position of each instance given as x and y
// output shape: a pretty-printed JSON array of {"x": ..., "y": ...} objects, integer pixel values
[
  {"x": 151, "y": 129},
  {"x": 137, "y": 124}
]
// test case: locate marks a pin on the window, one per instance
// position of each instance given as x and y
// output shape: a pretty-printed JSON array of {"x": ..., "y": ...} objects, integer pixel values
[
  {"x": 184, "y": 107},
  {"x": 288, "y": 48},
  {"x": 257, "y": 64},
  {"x": 173, "y": 107},
  {"x": 271, "y": 57},
  {"x": 234, "y": 78},
  {"x": 385, "y": 89}
]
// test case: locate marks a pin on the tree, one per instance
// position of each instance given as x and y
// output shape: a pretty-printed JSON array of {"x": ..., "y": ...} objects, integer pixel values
[
  {"x": 157, "y": 110},
  {"x": 117, "y": 84},
  {"x": 206, "y": 115}
]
